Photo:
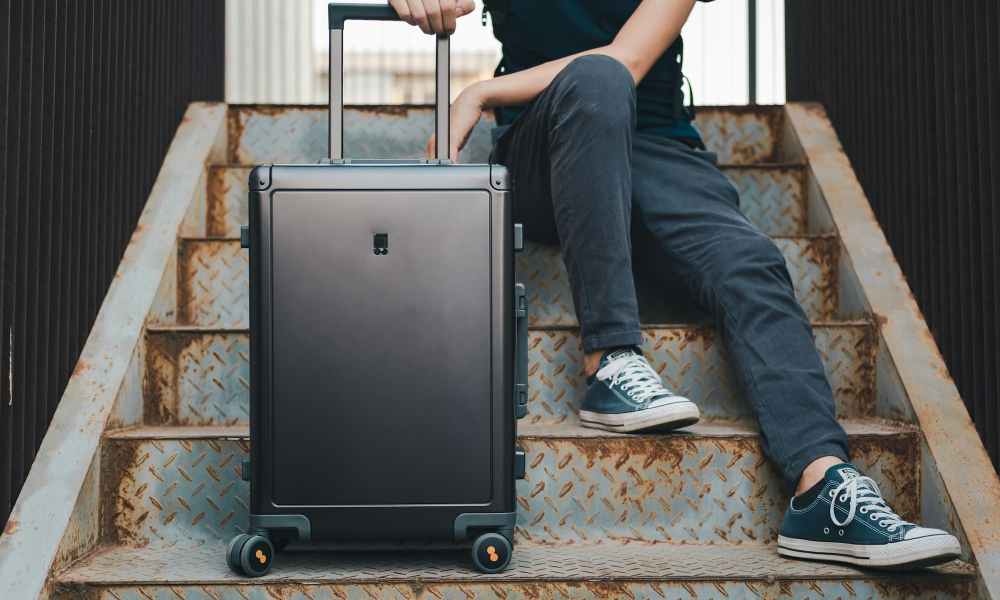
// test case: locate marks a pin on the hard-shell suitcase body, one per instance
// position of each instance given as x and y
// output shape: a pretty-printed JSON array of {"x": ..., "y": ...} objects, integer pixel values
[{"x": 388, "y": 348}]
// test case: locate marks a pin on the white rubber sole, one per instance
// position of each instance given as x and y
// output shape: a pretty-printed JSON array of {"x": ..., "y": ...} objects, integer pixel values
[
  {"x": 668, "y": 416},
  {"x": 921, "y": 552}
]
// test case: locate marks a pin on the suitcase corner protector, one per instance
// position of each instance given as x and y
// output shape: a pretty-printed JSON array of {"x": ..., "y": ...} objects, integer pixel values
[
  {"x": 499, "y": 522},
  {"x": 260, "y": 178}
]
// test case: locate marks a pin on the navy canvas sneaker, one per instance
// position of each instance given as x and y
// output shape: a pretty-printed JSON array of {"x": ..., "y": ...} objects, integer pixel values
[
  {"x": 627, "y": 394},
  {"x": 845, "y": 519}
]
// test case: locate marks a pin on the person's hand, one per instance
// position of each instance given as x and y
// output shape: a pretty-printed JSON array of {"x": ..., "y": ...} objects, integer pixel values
[
  {"x": 465, "y": 113},
  {"x": 433, "y": 16}
]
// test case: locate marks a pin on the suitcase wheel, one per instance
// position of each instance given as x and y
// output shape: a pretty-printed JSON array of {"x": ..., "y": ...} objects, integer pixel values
[
  {"x": 491, "y": 552},
  {"x": 233, "y": 552},
  {"x": 256, "y": 556}
]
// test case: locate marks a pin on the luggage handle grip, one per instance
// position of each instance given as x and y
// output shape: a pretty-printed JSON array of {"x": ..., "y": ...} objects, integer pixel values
[
  {"x": 341, "y": 12},
  {"x": 344, "y": 11}
]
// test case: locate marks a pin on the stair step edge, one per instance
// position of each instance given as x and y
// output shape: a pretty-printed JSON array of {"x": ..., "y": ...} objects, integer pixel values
[
  {"x": 114, "y": 566},
  {"x": 707, "y": 429}
]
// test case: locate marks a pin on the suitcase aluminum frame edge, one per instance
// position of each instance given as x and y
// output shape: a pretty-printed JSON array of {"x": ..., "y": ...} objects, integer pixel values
[{"x": 500, "y": 514}]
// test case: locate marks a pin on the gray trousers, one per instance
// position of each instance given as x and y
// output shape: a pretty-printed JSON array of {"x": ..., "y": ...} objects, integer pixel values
[{"x": 583, "y": 176}]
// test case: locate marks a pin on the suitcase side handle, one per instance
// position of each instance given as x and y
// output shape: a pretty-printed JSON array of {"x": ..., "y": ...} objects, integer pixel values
[
  {"x": 520, "y": 351},
  {"x": 341, "y": 12}
]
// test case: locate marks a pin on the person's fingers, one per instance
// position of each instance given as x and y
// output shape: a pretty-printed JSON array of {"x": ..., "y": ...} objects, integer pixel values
[
  {"x": 419, "y": 15},
  {"x": 403, "y": 10},
  {"x": 448, "y": 15},
  {"x": 464, "y": 7},
  {"x": 433, "y": 9}
]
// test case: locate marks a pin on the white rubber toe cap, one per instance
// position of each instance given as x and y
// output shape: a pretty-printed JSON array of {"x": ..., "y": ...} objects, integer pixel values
[{"x": 922, "y": 532}]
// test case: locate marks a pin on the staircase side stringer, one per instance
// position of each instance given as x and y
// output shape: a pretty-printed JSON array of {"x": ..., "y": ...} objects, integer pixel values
[
  {"x": 960, "y": 487},
  {"x": 56, "y": 518}
]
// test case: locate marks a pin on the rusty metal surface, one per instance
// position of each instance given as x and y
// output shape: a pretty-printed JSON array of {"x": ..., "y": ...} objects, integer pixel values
[
  {"x": 582, "y": 571},
  {"x": 861, "y": 589},
  {"x": 741, "y": 135},
  {"x": 201, "y": 377},
  {"x": 682, "y": 488},
  {"x": 226, "y": 206},
  {"x": 772, "y": 197},
  {"x": 213, "y": 283},
  {"x": 957, "y": 455},
  {"x": 43, "y": 516},
  {"x": 812, "y": 265},
  {"x": 693, "y": 362},
  {"x": 177, "y": 485},
  {"x": 272, "y": 134},
  {"x": 264, "y": 134},
  {"x": 197, "y": 378}
]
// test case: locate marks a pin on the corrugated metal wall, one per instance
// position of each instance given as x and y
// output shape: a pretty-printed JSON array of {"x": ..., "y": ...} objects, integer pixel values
[
  {"x": 91, "y": 92},
  {"x": 913, "y": 89}
]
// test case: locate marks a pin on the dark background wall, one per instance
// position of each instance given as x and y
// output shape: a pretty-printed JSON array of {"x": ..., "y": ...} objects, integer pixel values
[
  {"x": 91, "y": 92},
  {"x": 913, "y": 89}
]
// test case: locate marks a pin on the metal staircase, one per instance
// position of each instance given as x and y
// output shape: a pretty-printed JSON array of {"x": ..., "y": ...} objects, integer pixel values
[{"x": 681, "y": 515}]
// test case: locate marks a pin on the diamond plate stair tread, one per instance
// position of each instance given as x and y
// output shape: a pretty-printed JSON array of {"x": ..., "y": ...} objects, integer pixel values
[
  {"x": 772, "y": 196},
  {"x": 609, "y": 562},
  {"x": 287, "y": 134},
  {"x": 205, "y": 564},
  {"x": 706, "y": 428},
  {"x": 213, "y": 283},
  {"x": 581, "y": 485},
  {"x": 200, "y": 375}
]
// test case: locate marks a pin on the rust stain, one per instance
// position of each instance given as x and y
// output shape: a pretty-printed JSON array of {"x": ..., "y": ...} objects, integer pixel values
[
  {"x": 161, "y": 379},
  {"x": 389, "y": 111},
  {"x": 235, "y": 126},
  {"x": 867, "y": 352},
  {"x": 895, "y": 462},
  {"x": 187, "y": 268},
  {"x": 826, "y": 250},
  {"x": 122, "y": 520},
  {"x": 137, "y": 234},
  {"x": 216, "y": 210},
  {"x": 81, "y": 366}
]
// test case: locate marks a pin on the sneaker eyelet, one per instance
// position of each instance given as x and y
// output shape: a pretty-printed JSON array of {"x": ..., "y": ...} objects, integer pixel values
[
  {"x": 843, "y": 498},
  {"x": 892, "y": 529},
  {"x": 863, "y": 510},
  {"x": 831, "y": 493},
  {"x": 826, "y": 530},
  {"x": 841, "y": 532},
  {"x": 873, "y": 518}
]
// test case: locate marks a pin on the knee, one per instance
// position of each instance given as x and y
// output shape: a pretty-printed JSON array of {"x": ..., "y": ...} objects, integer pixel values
[
  {"x": 596, "y": 89},
  {"x": 750, "y": 269}
]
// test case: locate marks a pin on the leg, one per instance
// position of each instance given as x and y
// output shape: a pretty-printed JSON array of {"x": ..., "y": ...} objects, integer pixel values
[
  {"x": 739, "y": 276},
  {"x": 570, "y": 156}
]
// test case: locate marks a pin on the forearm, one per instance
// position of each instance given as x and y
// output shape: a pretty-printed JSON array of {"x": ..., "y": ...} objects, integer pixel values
[{"x": 651, "y": 29}]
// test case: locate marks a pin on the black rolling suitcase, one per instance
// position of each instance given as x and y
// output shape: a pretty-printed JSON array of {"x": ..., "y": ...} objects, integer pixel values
[{"x": 388, "y": 348}]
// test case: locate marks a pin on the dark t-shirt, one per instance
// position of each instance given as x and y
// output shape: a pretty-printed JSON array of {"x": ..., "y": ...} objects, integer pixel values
[{"x": 537, "y": 31}]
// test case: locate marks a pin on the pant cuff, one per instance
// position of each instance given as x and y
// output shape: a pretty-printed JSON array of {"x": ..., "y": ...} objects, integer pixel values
[
  {"x": 792, "y": 471},
  {"x": 602, "y": 341}
]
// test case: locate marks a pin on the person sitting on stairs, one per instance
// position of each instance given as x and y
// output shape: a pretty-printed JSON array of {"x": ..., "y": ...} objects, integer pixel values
[{"x": 593, "y": 129}]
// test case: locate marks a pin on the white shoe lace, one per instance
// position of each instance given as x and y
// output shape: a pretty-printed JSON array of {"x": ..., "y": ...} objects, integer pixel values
[
  {"x": 636, "y": 376},
  {"x": 865, "y": 498}
]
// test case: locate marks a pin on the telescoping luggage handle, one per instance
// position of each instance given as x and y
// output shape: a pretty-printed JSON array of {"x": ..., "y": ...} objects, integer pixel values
[{"x": 339, "y": 12}]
